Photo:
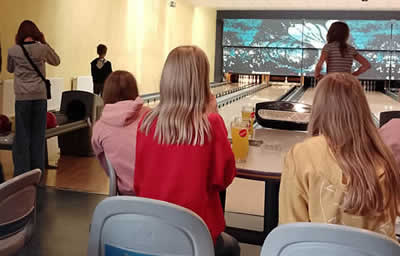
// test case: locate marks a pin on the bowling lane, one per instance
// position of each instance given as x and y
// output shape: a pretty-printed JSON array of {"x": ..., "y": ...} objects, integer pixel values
[
  {"x": 270, "y": 93},
  {"x": 308, "y": 96},
  {"x": 379, "y": 102},
  {"x": 217, "y": 91},
  {"x": 224, "y": 88}
]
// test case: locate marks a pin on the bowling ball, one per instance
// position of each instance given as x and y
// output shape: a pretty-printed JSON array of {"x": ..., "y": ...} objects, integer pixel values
[
  {"x": 5, "y": 124},
  {"x": 51, "y": 120}
]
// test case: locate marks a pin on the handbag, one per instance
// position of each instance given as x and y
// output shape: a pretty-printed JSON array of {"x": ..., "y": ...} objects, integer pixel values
[{"x": 46, "y": 81}]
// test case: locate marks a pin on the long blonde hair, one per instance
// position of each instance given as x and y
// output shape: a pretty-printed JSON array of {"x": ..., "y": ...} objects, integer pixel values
[
  {"x": 341, "y": 113},
  {"x": 184, "y": 97}
]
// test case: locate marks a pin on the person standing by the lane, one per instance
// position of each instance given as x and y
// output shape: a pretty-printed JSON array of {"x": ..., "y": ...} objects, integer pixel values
[
  {"x": 338, "y": 54},
  {"x": 30, "y": 96},
  {"x": 101, "y": 69}
]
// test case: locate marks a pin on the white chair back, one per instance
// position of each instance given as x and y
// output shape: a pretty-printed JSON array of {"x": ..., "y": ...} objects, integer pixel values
[
  {"x": 133, "y": 226},
  {"x": 309, "y": 239},
  {"x": 18, "y": 211}
]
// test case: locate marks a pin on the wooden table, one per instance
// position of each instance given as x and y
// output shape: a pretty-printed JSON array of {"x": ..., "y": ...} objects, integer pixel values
[{"x": 265, "y": 163}]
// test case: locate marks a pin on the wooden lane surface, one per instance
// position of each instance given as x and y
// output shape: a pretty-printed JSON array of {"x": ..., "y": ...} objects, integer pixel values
[
  {"x": 378, "y": 101},
  {"x": 308, "y": 96},
  {"x": 215, "y": 90},
  {"x": 225, "y": 88},
  {"x": 73, "y": 173},
  {"x": 270, "y": 93}
]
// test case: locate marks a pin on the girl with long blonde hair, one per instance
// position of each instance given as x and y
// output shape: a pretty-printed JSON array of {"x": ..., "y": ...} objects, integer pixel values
[
  {"x": 344, "y": 174},
  {"x": 183, "y": 155}
]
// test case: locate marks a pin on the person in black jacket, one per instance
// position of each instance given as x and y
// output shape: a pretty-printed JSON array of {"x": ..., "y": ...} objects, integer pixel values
[{"x": 101, "y": 68}]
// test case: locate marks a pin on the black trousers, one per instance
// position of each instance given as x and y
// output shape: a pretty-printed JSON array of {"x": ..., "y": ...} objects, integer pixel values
[
  {"x": 98, "y": 88},
  {"x": 29, "y": 141}
]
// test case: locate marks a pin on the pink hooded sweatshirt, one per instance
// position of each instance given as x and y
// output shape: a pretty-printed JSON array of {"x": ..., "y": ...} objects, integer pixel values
[
  {"x": 114, "y": 136},
  {"x": 390, "y": 133}
]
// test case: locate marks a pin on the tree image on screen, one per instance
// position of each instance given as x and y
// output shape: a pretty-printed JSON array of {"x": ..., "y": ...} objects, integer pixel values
[
  {"x": 396, "y": 36},
  {"x": 310, "y": 59},
  {"x": 263, "y": 33},
  {"x": 291, "y": 47},
  {"x": 364, "y": 34},
  {"x": 395, "y": 60},
  {"x": 249, "y": 60}
]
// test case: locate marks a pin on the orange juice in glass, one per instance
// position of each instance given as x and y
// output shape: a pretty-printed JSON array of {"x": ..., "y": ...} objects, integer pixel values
[
  {"x": 240, "y": 139},
  {"x": 249, "y": 116}
]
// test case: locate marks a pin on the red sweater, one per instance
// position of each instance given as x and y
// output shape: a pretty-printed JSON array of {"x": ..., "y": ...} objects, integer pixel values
[{"x": 186, "y": 175}]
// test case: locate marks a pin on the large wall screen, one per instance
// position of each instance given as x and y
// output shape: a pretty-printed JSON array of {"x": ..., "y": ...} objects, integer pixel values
[{"x": 292, "y": 47}]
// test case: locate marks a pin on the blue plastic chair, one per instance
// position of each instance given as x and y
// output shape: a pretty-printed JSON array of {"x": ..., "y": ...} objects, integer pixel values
[
  {"x": 135, "y": 226},
  {"x": 309, "y": 239}
]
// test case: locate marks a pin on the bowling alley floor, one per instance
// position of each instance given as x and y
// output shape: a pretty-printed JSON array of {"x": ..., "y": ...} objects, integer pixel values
[{"x": 73, "y": 190}]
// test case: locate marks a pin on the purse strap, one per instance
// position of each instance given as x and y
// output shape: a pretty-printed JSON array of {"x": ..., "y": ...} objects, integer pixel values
[{"x": 32, "y": 64}]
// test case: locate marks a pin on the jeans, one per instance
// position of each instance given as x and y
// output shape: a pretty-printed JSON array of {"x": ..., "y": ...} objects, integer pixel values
[
  {"x": 227, "y": 245},
  {"x": 29, "y": 142}
]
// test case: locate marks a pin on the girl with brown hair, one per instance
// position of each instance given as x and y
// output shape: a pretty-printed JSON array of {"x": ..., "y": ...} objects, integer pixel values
[
  {"x": 344, "y": 174},
  {"x": 183, "y": 155},
  {"x": 114, "y": 135},
  {"x": 30, "y": 96},
  {"x": 338, "y": 54}
]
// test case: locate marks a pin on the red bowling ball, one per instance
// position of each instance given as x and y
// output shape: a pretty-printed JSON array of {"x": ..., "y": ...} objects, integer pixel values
[
  {"x": 5, "y": 124},
  {"x": 51, "y": 120}
]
